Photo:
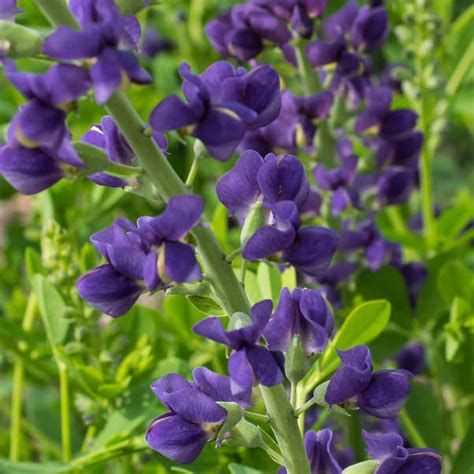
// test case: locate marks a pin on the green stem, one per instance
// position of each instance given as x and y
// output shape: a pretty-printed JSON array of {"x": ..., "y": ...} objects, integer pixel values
[
  {"x": 65, "y": 413},
  {"x": 256, "y": 416},
  {"x": 18, "y": 381},
  {"x": 355, "y": 434},
  {"x": 321, "y": 420},
  {"x": 57, "y": 13},
  {"x": 221, "y": 275},
  {"x": 193, "y": 171},
  {"x": 411, "y": 430},
  {"x": 285, "y": 427},
  {"x": 427, "y": 196},
  {"x": 234, "y": 254}
]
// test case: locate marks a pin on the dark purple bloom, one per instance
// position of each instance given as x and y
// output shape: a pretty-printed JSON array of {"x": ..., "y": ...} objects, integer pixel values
[
  {"x": 412, "y": 358},
  {"x": 320, "y": 451},
  {"x": 370, "y": 28},
  {"x": 368, "y": 239},
  {"x": 8, "y": 9},
  {"x": 248, "y": 361},
  {"x": 340, "y": 180},
  {"x": 332, "y": 278},
  {"x": 153, "y": 44},
  {"x": 395, "y": 459},
  {"x": 148, "y": 256},
  {"x": 304, "y": 313},
  {"x": 309, "y": 249},
  {"x": 194, "y": 417},
  {"x": 240, "y": 32},
  {"x": 414, "y": 274},
  {"x": 340, "y": 23},
  {"x": 41, "y": 122},
  {"x": 395, "y": 185},
  {"x": 107, "y": 37},
  {"x": 271, "y": 179},
  {"x": 381, "y": 394},
  {"x": 222, "y": 104}
]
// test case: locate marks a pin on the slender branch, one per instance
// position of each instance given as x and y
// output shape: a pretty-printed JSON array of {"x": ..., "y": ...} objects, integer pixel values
[
  {"x": 234, "y": 254},
  {"x": 18, "y": 381},
  {"x": 65, "y": 413},
  {"x": 411, "y": 430},
  {"x": 355, "y": 435},
  {"x": 256, "y": 416}
]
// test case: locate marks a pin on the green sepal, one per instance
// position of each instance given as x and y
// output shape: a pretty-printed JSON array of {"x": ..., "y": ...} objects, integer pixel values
[
  {"x": 254, "y": 220},
  {"x": 234, "y": 416},
  {"x": 364, "y": 467},
  {"x": 18, "y": 41},
  {"x": 319, "y": 396},
  {"x": 239, "y": 320},
  {"x": 245, "y": 434},
  {"x": 296, "y": 362}
]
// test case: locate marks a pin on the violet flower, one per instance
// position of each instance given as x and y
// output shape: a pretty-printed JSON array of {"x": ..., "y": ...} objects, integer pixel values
[
  {"x": 320, "y": 452},
  {"x": 308, "y": 249},
  {"x": 194, "y": 417},
  {"x": 41, "y": 122},
  {"x": 149, "y": 255},
  {"x": 339, "y": 180},
  {"x": 248, "y": 361},
  {"x": 304, "y": 313},
  {"x": 331, "y": 280},
  {"x": 153, "y": 43},
  {"x": 106, "y": 37},
  {"x": 270, "y": 180},
  {"x": 415, "y": 275},
  {"x": 395, "y": 459},
  {"x": 381, "y": 394},
  {"x": 222, "y": 104},
  {"x": 412, "y": 357}
]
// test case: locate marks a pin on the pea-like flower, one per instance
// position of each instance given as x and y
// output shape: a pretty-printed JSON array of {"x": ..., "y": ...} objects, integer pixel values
[
  {"x": 8, "y": 9},
  {"x": 308, "y": 249},
  {"x": 222, "y": 104},
  {"x": 381, "y": 394},
  {"x": 150, "y": 255},
  {"x": 305, "y": 313},
  {"x": 412, "y": 357},
  {"x": 248, "y": 361},
  {"x": 106, "y": 38},
  {"x": 194, "y": 417},
  {"x": 320, "y": 452},
  {"x": 396, "y": 459},
  {"x": 270, "y": 180}
]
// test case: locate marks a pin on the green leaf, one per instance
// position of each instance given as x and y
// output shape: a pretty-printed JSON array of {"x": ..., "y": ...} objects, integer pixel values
[
  {"x": 33, "y": 263},
  {"x": 455, "y": 279},
  {"x": 269, "y": 281},
  {"x": 254, "y": 220},
  {"x": 364, "y": 467},
  {"x": 452, "y": 221},
  {"x": 362, "y": 325},
  {"x": 424, "y": 410},
  {"x": 219, "y": 224},
  {"x": 234, "y": 415},
  {"x": 206, "y": 305},
  {"x": 52, "y": 310},
  {"x": 288, "y": 278},
  {"x": 94, "y": 158},
  {"x": 20, "y": 41},
  {"x": 241, "y": 469},
  {"x": 251, "y": 287}
]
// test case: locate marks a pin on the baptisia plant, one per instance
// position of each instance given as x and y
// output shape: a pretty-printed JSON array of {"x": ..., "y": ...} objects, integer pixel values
[{"x": 302, "y": 225}]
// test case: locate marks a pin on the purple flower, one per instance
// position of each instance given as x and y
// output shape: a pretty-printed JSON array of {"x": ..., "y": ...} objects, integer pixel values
[
  {"x": 223, "y": 103},
  {"x": 381, "y": 394},
  {"x": 304, "y": 313},
  {"x": 248, "y": 361},
  {"x": 395, "y": 185},
  {"x": 340, "y": 180},
  {"x": 106, "y": 37},
  {"x": 367, "y": 238},
  {"x": 414, "y": 274},
  {"x": 271, "y": 179},
  {"x": 332, "y": 278},
  {"x": 8, "y": 9},
  {"x": 153, "y": 44},
  {"x": 309, "y": 249},
  {"x": 412, "y": 358},
  {"x": 320, "y": 452},
  {"x": 194, "y": 417},
  {"x": 370, "y": 28},
  {"x": 41, "y": 122},
  {"x": 395, "y": 459},
  {"x": 241, "y": 31},
  {"x": 149, "y": 255}
]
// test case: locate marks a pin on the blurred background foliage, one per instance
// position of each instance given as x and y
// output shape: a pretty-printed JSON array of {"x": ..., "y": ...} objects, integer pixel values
[{"x": 111, "y": 369}]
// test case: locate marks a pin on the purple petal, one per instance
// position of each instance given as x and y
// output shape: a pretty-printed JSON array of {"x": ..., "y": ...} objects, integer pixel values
[
  {"x": 238, "y": 188},
  {"x": 339, "y": 23},
  {"x": 180, "y": 262},
  {"x": 28, "y": 170},
  {"x": 172, "y": 114},
  {"x": 422, "y": 461},
  {"x": 150, "y": 271},
  {"x": 241, "y": 372},
  {"x": 320, "y": 53},
  {"x": 211, "y": 328},
  {"x": 386, "y": 393},
  {"x": 319, "y": 448},
  {"x": 108, "y": 290},
  {"x": 268, "y": 241},
  {"x": 167, "y": 385},
  {"x": 312, "y": 249},
  {"x": 106, "y": 75},
  {"x": 397, "y": 123},
  {"x": 265, "y": 368},
  {"x": 127, "y": 261},
  {"x": 132, "y": 68},
  {"x": 382, "y": 446},
  {"x": 176, "y": 438}
]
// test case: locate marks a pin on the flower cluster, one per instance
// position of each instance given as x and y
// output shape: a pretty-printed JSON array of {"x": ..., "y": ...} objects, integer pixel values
[
  {"x": 106, "y": 39},
  {"x": 223, "y": 103},
  {"x": 149, "y": 255},
  {"x": 277, "y": 188}
]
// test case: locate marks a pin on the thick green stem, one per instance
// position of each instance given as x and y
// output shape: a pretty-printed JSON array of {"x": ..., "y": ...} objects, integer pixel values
[
  {"x": 65, "y": 413},
  {"x": 18, "y": 381},
  {"x": 355, "y": 435},
  {"x": 285, "y": 427},
  {"x": 220, "y": 273}
]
